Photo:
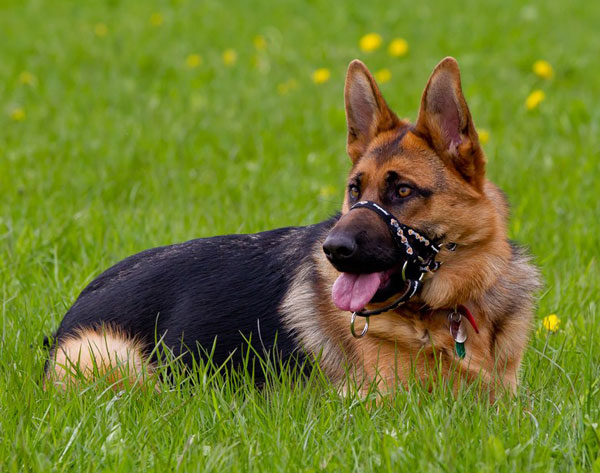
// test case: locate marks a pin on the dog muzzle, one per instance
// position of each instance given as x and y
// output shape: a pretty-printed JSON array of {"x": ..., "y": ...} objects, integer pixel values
[{"x": 420, "y": 255}]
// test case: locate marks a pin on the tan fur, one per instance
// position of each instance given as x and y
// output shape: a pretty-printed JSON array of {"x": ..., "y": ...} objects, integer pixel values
[{"x": 98, "y": 353}]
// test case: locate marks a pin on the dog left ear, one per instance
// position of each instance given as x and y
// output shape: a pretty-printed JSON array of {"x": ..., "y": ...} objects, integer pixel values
[
  {"x": 445, "y": 120},
  {"x": 367, "y": 114}
]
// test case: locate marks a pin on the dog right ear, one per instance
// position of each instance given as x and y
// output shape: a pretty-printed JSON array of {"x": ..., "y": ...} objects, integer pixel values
[
  {"x": 445, "y": 121},
  {"x": 367, "y": 114}
]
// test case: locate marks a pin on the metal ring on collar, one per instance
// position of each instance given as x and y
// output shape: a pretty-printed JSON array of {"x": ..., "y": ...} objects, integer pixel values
[
  {"x": 404, "y": 270},
  {"x": 364, "y": 330}
]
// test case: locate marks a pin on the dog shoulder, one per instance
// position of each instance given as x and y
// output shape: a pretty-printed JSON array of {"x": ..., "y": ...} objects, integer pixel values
[
  {"x": 307, "y": 311},
  {"x": 510, "y": 304}
]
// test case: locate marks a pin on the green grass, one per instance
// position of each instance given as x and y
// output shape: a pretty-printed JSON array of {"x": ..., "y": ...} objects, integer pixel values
[{"x": 123, "y": 147}]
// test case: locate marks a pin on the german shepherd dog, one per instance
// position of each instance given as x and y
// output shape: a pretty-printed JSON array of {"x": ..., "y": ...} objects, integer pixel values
[{"x": 420, "y": 245}]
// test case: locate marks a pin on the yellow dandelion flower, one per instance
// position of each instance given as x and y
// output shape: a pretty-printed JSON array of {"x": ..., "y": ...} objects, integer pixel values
[
  {"x": 484, "y": 135},
  {"x": 534, "y": 99},
  {"x": 551, "y": 322},
  {"x": 193, "y": 61},
  {"x": 543, "y": 69},
  {"x": 27, "y": 78},
  {"x": 229, "y": 57},
  {"x": 17, "y": 114},
  {"x": 321, "y": 75},
  {"x": 156, "y": 19},
  {"x": 260, "y": 43},
  {"x": 370, "y": 42},
  {"x": 101, "y": 30},
  {"x": 287, "y": 86},
  {"x": 383, "y": 75},
  {"x": 398, "y": 47}
]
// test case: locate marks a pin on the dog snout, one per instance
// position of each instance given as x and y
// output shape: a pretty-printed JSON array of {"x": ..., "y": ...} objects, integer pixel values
[{"x": 340, "y": 247}]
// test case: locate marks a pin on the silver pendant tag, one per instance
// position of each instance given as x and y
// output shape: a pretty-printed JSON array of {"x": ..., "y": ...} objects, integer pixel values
[{"x": 457, "y": 328}]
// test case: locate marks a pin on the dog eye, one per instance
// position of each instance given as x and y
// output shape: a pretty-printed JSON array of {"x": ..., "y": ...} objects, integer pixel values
[
  {"x": 353, "y": 191},
  {"x": 404, "y": 191}
]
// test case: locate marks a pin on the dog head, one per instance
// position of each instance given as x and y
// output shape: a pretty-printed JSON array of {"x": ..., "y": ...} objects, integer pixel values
[{"x": 430, "y": 175}]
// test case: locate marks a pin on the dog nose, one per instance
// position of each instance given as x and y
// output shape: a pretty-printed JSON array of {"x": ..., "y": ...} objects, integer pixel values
[{"x": 339, "y": 247}]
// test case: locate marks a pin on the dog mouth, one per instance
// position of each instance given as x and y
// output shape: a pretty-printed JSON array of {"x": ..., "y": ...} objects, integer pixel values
[{"x": 352, "y": 292}]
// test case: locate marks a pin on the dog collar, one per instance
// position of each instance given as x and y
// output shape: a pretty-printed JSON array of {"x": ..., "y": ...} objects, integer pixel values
[{"x": 419, "y": 251}]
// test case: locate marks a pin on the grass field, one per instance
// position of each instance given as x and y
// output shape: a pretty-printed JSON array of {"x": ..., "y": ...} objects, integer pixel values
[{"x": 131, "y": 124}]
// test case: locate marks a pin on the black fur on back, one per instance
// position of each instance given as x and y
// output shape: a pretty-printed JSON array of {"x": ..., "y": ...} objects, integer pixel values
[{"x": 221, "y": 290}]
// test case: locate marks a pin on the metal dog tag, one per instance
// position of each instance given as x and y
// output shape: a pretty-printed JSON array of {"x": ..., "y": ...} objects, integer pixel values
[
  {"x": 458, "y": 332},
  {"x": 457, "y": 328}
]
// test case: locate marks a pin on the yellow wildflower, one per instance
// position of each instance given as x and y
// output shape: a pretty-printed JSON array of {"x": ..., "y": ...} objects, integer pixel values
[
  {"x": 543, "y": 69},
  {"x": 383, "y": 75},
  {"x": 551, "y": 322},
  {"x": 193, "y": 61},
  {"x": 370, "y": 42},
  {"x": 484, "y": 135},
  {"x": 534, "y": 99},
  {"x": 398, "y": 47},
  {"x": 229, "y": 57},
  {"x": 287, "y": 86},
  {"x": 101, "y": 30},
  {"x": 156, "y": 19},
  {"x": 17, "y": 114},
  {"x": 27, "y": 78},
  {"x": 321, "y": 75},
  {"x": 260, "y": 42}
]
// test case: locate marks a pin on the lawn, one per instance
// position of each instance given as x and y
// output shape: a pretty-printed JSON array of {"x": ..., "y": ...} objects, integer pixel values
[{"x": 131, "y": 124}]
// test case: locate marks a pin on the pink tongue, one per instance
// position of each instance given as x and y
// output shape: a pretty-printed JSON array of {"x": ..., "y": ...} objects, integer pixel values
[{"x": 352, "y": 292}]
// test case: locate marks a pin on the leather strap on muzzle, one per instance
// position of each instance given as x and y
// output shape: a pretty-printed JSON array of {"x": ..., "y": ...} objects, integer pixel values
[{"x": 420, "y": 251}]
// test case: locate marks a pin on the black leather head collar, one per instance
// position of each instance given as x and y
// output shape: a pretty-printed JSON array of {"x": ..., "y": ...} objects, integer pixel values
[{"x": 419, "y": 251}]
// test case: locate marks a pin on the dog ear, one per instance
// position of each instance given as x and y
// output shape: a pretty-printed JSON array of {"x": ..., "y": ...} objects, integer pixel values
[
  {"x": 367, "y": 114},
  {"x": 445, "y": 121}
]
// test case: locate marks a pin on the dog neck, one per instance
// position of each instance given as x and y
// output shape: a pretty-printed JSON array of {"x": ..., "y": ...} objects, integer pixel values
[{"x": 468, "y": 273}]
